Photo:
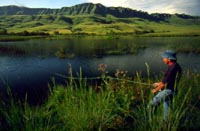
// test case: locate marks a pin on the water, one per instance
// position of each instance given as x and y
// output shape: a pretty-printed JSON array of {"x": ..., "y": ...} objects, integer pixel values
[
  {"x": 30, "y": 73},
  {"x": 23, "y": 72}
]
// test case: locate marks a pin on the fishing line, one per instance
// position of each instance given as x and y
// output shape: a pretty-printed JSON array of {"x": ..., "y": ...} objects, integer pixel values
[{"x": 92, "y": 78}]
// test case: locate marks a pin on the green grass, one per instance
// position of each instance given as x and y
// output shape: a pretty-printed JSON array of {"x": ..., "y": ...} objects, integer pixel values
[
  {"x": 98, "y": 25},
  {"x": 115, "y": 104}
]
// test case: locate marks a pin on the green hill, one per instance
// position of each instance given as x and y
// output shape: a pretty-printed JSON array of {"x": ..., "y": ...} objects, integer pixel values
[
  {"x": 95, "y": 19},
  {"x": 87, "y": 8}
]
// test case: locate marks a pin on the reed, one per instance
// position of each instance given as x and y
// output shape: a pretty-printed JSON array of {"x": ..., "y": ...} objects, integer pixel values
[{"x": 114, "y": 104}]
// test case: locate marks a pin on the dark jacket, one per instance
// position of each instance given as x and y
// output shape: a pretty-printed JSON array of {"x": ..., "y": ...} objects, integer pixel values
[{"x": 172, "y": 76}]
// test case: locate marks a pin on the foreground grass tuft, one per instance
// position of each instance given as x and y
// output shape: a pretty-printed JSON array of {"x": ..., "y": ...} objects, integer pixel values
[{"x": 115, "y": 104}]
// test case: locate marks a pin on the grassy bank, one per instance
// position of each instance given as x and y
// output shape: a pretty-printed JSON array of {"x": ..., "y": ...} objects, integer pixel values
[
  {"x": 7, "y": 38},
  {"x": 114, "y": 104}
]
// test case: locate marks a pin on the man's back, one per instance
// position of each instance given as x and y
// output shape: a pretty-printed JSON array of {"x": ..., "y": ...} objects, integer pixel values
[{"x": 172, "y": 76}]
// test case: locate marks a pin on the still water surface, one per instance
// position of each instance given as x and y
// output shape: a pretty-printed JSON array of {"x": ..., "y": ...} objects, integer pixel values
[{"x": 32, "y": 73}]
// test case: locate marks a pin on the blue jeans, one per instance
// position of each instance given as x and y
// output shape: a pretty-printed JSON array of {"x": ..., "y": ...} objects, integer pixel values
[{"x": 164, "y": 96}]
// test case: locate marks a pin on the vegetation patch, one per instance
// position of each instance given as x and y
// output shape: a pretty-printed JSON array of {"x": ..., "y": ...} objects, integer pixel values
[{"x": 118, "y": 103}]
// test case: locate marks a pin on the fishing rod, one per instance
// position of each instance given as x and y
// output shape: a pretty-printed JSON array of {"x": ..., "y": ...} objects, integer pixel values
[{"x": 93, "y": 78}]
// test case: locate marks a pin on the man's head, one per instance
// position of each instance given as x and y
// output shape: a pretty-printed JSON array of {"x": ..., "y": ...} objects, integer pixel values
[{"x": 169, "y": 56}]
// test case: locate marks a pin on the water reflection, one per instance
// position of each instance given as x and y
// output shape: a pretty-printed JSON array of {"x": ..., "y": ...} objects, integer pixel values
[
  {"x": 23, "y": 72},
  {"x": 31, "y": 73},
  {"x": 96, "y": 46}
]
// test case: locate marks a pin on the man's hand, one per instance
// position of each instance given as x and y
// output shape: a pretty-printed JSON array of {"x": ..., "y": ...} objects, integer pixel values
[
  {"x": 154, "y": 91},
  {"x": 158, "y": 86},
  {"x": 155, "y": 84}
]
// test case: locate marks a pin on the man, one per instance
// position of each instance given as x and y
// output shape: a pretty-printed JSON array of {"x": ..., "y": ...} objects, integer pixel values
[{"x": 165, "y": 89}]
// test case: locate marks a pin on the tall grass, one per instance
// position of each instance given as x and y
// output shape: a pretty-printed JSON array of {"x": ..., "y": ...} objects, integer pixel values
[{"x": 114, "y": 104}]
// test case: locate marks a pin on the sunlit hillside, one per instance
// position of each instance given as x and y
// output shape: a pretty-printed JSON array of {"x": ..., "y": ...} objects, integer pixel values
[{"x": 95, "y": 19}]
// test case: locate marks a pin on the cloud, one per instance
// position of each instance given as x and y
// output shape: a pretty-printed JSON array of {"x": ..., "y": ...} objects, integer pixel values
[
  {"x": 187, "y": 6},
  {"x": 159, "y": 6}
]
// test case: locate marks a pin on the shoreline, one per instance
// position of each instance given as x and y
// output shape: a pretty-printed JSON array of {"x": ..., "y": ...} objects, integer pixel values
[{"x": 9, "y": 38}]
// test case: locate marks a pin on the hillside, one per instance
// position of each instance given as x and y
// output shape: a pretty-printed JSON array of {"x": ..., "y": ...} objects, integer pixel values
[
  {"x": 87, "y": 8},
  {"x": 95, "y": 19}
]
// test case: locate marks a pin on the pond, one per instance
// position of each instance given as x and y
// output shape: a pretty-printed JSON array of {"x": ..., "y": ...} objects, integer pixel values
[{"x": 28, "y": 66}]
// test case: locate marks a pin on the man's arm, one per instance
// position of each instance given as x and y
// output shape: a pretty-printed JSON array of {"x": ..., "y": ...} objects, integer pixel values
[{"x": 158, "y": 86}]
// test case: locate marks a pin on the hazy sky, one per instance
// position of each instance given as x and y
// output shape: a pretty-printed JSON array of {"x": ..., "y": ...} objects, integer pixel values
[{"x": 191, "y": 7}]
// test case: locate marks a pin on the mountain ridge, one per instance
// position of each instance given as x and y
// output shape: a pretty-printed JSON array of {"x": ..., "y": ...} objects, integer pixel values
[{"x": 88, "y": 8}]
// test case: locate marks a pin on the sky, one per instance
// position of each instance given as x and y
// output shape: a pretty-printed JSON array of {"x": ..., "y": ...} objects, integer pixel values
[{"x": 191, "y": 7}]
